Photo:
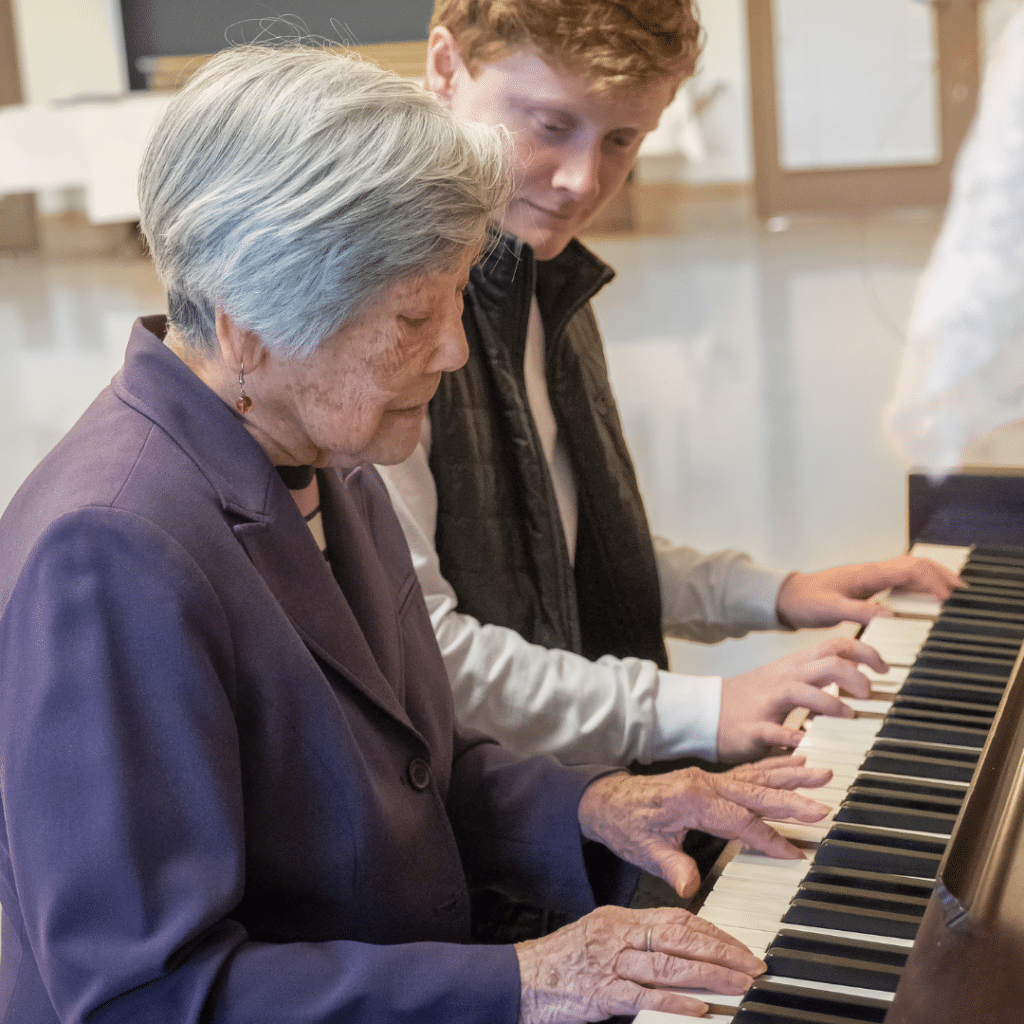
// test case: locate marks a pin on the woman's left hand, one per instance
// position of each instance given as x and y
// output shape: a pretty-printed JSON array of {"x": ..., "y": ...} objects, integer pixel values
[
  {"x": 643, "y": 818},
  {"x": 620, "y": 961}
]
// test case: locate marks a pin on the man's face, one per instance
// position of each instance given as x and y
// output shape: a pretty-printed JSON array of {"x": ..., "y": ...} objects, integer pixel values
[{"x": 573, "y": 147}]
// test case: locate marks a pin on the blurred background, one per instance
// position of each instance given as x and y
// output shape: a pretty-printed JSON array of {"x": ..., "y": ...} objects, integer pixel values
[{"x": 768, "y": 246}]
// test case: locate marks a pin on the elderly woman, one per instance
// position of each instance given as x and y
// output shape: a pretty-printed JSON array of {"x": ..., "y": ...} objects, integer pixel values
[{"x": 232, "y": 785}]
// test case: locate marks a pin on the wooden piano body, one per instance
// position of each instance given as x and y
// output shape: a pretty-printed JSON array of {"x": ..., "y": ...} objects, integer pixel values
[{"x": 966, "y": 961}]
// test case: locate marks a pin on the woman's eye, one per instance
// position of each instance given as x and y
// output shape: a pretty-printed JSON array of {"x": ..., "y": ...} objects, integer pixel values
[{"x": 415, "y": 321}]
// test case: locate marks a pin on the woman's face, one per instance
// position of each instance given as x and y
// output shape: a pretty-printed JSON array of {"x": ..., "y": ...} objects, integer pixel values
[{"x": 362, "y": 396}]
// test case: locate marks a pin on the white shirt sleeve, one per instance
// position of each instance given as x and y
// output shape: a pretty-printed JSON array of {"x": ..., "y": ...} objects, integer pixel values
[
  {"x": 538, "y": 700},
  {"x": 707, "y": 598}
]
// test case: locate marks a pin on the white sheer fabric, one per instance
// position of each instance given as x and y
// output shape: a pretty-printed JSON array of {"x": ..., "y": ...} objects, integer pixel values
[{"x": 963, "y": 366}]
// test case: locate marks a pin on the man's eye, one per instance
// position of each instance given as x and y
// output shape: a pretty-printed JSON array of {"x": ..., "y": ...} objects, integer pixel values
[
  {"x": 553, "y": 127},
  {"x": 414, "y": 321}
]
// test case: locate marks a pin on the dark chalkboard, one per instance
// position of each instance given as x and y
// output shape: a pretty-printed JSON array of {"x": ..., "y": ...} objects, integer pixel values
[{"x": 171, "y": 27}]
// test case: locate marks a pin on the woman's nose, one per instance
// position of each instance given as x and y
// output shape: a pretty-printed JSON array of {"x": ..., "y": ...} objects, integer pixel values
[{"x": 452, "y": 349}]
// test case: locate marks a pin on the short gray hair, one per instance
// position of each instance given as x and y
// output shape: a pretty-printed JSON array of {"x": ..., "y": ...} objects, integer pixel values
[{"x": 290, "y": 185}]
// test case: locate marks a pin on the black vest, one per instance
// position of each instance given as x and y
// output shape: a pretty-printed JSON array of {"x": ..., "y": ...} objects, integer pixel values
[{"x": 499, "y": 536}]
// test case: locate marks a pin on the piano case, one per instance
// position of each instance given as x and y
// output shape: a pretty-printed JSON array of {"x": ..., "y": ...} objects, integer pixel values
[
  {"x": 967, "y": 963},
  {"x": 972, "y": 506}
]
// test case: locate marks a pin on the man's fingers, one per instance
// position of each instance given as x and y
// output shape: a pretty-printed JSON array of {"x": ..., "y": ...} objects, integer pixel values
[{"x": 821, "y": 702}]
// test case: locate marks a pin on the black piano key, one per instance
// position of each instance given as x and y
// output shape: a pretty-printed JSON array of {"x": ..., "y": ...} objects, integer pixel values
[
  {"x": 974, "y": 601},
  {"x": 934, "y": 687},
  {"x": 961, "y": 676},
  {"x": 969, "y": 663},
  {"x": 770, "y": 1002},
  {"x": 835, "y": 961},
  {"x": 952, "y": 622},
  {"x": 904, "y": 727},
  {"x": 876, "y": 917},
  {"x": 879, "y": 849},
  {"x": 997, "y": 636},
  {"x": 918, "y": 760},
  {"x": 907, "y": 818},
  {"x": 877, "y": 882},
  {"x": 916, "y": 792},
  {"x": 984, "y": 713},
  {"x": 869, "y": 902},
  {"x": 865, "y": 790}
]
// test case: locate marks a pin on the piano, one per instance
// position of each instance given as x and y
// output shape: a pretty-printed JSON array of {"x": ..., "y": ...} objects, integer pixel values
[{"x": 910, "y": 905}]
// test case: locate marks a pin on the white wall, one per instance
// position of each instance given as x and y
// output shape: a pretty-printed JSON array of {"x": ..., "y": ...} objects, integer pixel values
[{"x": 69, "y": 48}]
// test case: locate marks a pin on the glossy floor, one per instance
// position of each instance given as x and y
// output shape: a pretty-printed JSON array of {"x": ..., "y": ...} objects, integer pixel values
[{"x": 751, "y": 369}]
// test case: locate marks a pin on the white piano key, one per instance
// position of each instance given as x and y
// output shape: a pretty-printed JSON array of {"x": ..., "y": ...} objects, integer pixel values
[
  {"x": 757, "y": 865},
  {"x": 838, "y": 728},
  {"x": 724, "y": 898},
  {"x": 897, "y": 674},
  {"x": 872, "y": 706},
  {"x": 824, "y": 988},
  {"x": 905, "y": 602},
  {"x": 800, "y": 832},
  {"x": 951, "y": 556},
  {"x": 727, "y": 917},
  {"x": 757, "y": 886},
  {"x": 898, "y": 641},
  {"x": 657, "y": 1017}
]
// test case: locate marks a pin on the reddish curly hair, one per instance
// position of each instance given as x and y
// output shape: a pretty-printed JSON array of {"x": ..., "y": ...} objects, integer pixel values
[{"x": 609, "y": 43}]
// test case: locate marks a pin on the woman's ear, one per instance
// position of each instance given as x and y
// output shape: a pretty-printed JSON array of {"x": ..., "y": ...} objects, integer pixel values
[
  {"x": 240, "y": 348},
  {"x": 444, "y": 62}
]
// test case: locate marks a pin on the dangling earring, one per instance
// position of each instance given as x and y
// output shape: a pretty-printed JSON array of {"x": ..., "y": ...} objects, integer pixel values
[{"x": 243, "y": 403}]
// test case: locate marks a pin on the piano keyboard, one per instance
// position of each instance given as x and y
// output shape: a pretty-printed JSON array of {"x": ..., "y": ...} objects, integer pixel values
[{"x": 836, "y": 928}]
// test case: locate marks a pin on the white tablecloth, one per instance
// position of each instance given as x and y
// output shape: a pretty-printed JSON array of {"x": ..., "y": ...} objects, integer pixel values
[{"x": 97, "y": 146}]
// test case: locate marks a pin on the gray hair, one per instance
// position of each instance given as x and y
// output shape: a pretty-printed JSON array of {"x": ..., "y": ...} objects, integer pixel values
[{"x": 289, "y": 186}]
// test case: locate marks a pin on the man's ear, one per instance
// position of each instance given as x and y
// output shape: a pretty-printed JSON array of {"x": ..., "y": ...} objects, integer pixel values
[
  {"x": 240, "y": 348},
  {"x": 444, "y": 62}
]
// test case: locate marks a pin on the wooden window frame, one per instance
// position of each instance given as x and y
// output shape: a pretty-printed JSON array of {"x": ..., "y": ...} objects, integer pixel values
[
  {"x": 779, "y": 191},
  {"x": 18, "y": 225}
]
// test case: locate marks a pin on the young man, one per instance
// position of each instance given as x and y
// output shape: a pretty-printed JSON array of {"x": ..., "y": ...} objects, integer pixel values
[{"x": 548, "y": 595}]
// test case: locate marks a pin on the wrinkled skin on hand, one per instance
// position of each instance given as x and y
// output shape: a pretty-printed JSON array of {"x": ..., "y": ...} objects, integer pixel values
[
  {"x": 756, "y": 703},
  {"x": 600, "y": 966},
  {"x": 643, "y": 818},
  {"x": 821, "y": 599}
]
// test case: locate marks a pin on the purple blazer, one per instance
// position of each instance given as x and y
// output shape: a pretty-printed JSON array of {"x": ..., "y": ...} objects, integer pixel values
[{"x": 232, "y": 786}]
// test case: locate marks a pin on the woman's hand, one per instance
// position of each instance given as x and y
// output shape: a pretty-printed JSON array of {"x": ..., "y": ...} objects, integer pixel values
[
  {"x": 756, "y": 703},
  {"x": 821, "y": 599},
  {"x": 643, "y": 818},
  {"x": 616, "y": 960}
]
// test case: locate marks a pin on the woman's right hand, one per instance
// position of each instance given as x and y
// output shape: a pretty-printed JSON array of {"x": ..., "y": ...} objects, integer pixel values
[{"x": 621, "y": 961}]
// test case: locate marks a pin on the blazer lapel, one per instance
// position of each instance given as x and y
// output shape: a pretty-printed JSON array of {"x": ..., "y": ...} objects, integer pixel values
[
  {"x": 267, "y": 521},
  {"x": 287, "y": 558}
]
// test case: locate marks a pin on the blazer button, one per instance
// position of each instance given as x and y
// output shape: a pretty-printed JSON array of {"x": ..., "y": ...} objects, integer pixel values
[{"x": 419, "y": 774}]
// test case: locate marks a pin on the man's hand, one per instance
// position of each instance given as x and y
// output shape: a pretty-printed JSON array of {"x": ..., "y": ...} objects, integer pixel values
[
  {"x": 616, "y": 961},
  {"x": 643, "y": 818},
  {"x": 756, "y": 703},
  {"x": 820, "y": 599}
]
